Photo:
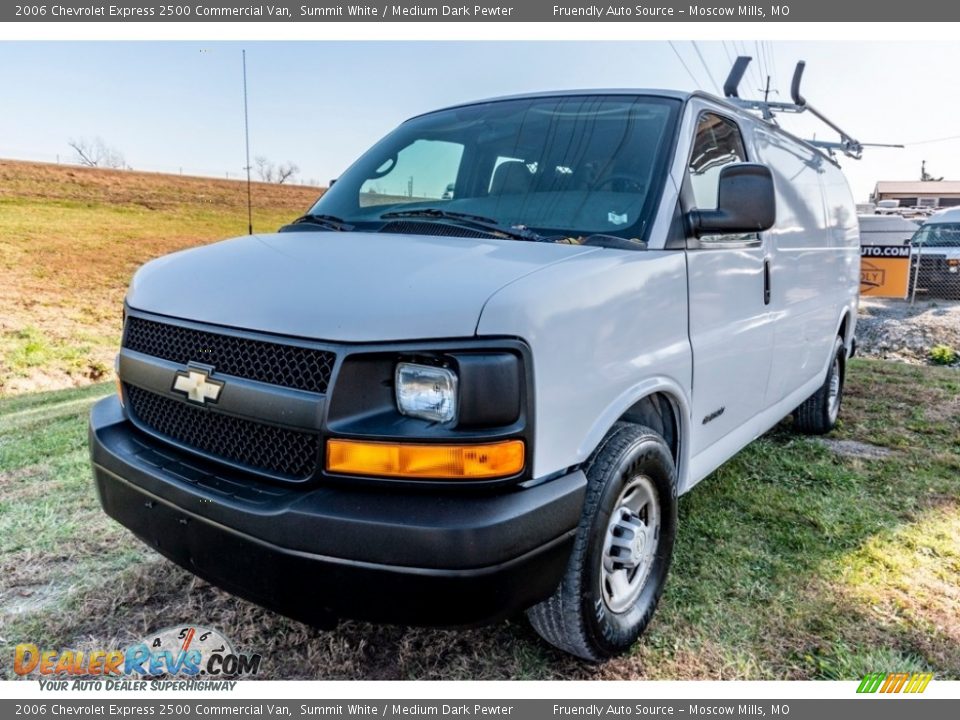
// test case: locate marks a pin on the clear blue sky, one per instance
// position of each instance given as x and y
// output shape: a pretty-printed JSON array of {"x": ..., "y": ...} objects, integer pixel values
[{"x": 175, "y": 105}]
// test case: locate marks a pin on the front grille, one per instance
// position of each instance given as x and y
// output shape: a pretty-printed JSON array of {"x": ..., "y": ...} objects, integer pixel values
[
  {"x": 276, "y": 450},
  {"x": 270, "y": 362}
]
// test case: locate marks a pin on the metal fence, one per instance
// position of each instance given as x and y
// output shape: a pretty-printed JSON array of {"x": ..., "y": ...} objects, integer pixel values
[{"x": 934, "y": 273}]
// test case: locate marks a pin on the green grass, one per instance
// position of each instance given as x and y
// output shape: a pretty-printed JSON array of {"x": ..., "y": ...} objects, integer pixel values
[{"x": 792, "y": 561}]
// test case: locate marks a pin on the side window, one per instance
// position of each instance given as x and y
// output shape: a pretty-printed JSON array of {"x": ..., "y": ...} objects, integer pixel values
[
  {"x": 425, "y": 170},
  {"x": 717, "y": 143}
]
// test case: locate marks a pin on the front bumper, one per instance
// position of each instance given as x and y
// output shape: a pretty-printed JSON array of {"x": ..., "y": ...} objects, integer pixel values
[{"x": 316, "y": 554}]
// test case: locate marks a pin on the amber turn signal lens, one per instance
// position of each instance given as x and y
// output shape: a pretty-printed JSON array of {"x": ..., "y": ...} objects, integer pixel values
[
  {"x": 116, "y": 378},
  {"x": 437, "y": 462}
]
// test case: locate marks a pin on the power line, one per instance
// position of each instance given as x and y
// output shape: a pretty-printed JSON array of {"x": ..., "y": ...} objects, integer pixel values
[
  {"x": 767, "y": 63},
  {"x": 773, "y": 61},
  {"x": 727, "y": 51},
  {"x": 680, "y": 58},
  {"x": 705, "y": 66},
  {"x": 752, "y": 67},
  {"x": 933, "y": 140},
  {"x": 761, "y": 62},
  {"x": 773, "y": 55}
]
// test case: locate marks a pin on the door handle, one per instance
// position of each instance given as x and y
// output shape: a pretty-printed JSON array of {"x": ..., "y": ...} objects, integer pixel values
[{"x": 766, "y": 281}]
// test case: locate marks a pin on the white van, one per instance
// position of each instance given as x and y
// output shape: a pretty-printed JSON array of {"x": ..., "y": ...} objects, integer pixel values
[
  {"x": 886, "y": 229},
  {"x": 443, "y": 406}
]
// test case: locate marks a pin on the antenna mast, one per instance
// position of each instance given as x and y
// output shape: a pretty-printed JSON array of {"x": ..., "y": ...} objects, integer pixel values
[{"x": 246, "y": 131}]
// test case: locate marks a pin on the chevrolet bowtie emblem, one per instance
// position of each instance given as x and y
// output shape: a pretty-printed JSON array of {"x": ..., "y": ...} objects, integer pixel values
[{"x": 196, "y": 384}]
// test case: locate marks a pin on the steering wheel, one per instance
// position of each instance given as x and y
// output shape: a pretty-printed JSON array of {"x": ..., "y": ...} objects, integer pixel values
[{"x": 628, "y": 183}]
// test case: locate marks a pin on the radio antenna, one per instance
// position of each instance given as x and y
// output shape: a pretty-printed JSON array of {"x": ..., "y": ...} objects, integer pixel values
[{"x": 246, "y": 132}]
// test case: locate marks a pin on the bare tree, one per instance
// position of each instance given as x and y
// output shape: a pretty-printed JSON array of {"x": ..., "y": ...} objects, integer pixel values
[
  {"x": 96, "y": 153},
  {"x": 269, "y": 172},
  {"x": 287, "y": 172},
  {"x": 265, "y": 168}
]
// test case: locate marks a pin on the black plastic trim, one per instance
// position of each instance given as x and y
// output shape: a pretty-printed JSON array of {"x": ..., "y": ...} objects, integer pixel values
[
  {"x": 439, "y": 559},
  {"x": 245, "y": 398},
  {"x": 379, "y": 420}
]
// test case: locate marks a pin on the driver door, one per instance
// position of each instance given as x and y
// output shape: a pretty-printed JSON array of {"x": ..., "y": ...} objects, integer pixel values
[{"x": 730, "y": 324}]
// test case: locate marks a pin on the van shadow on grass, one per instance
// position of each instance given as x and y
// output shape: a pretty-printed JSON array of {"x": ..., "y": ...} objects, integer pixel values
[{"x": 792, "y": 562}]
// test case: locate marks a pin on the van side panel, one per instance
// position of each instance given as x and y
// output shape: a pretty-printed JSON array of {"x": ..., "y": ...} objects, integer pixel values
[
  {"x": 606, "y": 329},
  {"x": 805, "y": 264},
  {"x": 843, "y": 231}
]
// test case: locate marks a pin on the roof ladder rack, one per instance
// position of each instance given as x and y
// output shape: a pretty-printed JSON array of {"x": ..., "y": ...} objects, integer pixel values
[{"x": 847, "y": 144}]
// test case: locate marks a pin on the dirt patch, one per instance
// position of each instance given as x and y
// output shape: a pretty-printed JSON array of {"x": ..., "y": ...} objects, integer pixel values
[
  {"x": 27, "y": 598},
  {"x": 855, "y": 449},
  {"x": 948, "y": 410},
  {"x": 25, "y": 483}
]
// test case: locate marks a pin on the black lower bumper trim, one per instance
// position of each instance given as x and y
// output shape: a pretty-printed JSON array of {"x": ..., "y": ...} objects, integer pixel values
[{"x": 201, "y": 531}]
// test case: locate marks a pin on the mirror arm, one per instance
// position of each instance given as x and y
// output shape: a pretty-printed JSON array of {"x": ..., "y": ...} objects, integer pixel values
[{"x": 709, "y": 222}]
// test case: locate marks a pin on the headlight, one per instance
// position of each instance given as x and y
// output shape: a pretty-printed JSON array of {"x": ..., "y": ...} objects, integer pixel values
[{"x": 426, "y": 392}]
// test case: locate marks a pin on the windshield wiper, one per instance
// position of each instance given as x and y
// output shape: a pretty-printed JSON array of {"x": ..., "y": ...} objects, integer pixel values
[
  {"x": 328, "y": 222},
  {"x": 517, "y": 232}
]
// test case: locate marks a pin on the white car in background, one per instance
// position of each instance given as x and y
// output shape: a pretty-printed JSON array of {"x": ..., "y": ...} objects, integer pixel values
[{"x": 886, "y": 229}]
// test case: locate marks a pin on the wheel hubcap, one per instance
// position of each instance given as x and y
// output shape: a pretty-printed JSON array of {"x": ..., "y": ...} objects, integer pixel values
[
  {"x": 630, "y": 544},
  {"x": 833, "y": 398}
]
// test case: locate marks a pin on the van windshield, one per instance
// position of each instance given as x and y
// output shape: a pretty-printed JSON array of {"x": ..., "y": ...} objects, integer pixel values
[
  {"x": 938, "y": 235},
  {"x": 566, "y": 166}
]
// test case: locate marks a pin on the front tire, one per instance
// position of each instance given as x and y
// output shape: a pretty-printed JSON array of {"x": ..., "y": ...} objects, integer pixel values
[
  {"x": 818, "y": 414},
  {"x": 622, "y": 550}
]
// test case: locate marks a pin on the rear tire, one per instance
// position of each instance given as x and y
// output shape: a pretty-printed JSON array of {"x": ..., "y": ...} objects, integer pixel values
[
  {"x": 818, "y": 414},
  {"x": 622, "y": 549}
]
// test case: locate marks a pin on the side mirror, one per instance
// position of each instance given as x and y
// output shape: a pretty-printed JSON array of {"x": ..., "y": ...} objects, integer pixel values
[{"x": 746, "y": 202}]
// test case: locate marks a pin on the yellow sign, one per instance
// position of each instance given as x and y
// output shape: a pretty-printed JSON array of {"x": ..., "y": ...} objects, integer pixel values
[{"x": 885, "y": 270}]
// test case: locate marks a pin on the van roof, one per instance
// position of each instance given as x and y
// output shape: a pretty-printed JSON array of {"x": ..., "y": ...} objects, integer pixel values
[{"x": 682, "y": 96}]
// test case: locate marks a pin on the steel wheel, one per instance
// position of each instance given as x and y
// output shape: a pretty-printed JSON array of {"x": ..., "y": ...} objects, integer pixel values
[
  {"x": 833, "y": 395},
  {"x": 817, "y": 415},
  {"x": 630, "y": 544},
  {"x": 614, "y": 580}
]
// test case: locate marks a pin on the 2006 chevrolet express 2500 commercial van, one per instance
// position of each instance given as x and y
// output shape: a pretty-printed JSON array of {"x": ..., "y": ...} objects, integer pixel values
[{"x": 476, "y": 376}]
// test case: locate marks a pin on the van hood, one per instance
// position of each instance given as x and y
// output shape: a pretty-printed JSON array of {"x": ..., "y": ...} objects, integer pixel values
[{"x": 340, "y": 286}]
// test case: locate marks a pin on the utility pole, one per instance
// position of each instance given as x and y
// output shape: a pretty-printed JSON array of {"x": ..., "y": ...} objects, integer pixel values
[
  {"x": 246, "y": 129},
  {"x": 766, "y": 92}
]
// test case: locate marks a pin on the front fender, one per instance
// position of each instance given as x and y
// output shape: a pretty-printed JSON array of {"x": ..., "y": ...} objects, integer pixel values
[{"x": 604, "y": 329}]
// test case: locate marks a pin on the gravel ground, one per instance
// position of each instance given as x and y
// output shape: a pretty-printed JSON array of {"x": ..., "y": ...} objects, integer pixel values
[{"x": 897, "y": 330}]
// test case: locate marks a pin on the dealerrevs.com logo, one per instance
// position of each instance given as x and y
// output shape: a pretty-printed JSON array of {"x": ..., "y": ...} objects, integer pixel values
[
  {"x": 895, "y": 683},
  {"x": 202, "y": 656}
]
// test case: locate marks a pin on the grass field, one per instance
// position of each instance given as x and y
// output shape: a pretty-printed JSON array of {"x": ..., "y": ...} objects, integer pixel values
[
  {"x": 793, "y": 560},
  {"x": 70, "y": 238}
]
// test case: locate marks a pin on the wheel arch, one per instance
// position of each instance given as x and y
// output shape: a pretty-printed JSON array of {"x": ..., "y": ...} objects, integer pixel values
[
  {"x": 661, "y": 405},
  {"x": 846, "y": 327}
]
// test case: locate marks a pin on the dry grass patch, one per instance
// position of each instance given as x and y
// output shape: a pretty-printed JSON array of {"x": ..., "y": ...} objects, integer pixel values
[{"x": 71, "y": 238}]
